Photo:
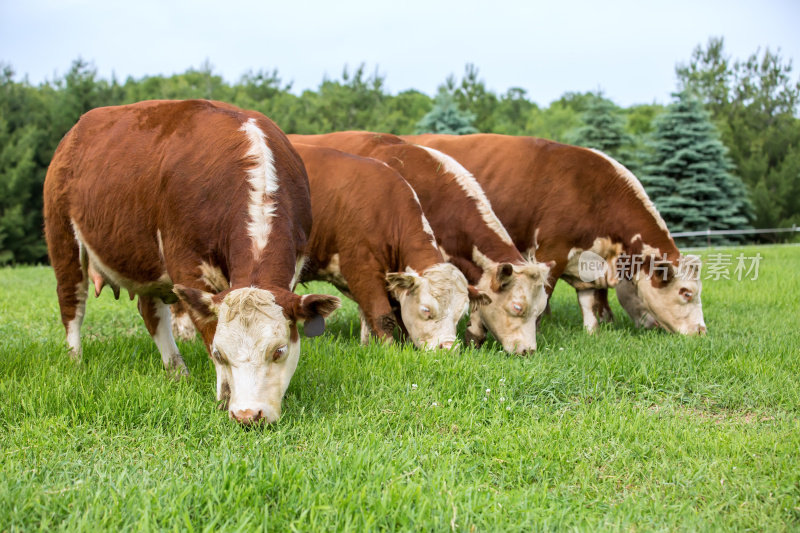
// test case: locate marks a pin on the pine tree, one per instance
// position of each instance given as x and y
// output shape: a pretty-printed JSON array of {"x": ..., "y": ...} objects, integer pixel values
[
  {"x": 446, "y": 117},
  {"x": 604, "y": 129},
  {"x": 688, "y": 173}
]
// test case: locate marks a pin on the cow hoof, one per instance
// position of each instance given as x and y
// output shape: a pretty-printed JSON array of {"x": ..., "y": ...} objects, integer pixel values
[{"x": 176, "y": 368}]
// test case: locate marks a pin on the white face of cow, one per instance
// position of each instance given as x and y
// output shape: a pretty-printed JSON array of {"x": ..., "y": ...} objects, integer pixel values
[
  {"x": 255, "y": 344},
  {"x": 518, "y": 298},
  {"x": 674, "y": 303},
  {"x": 255, "y": 347},
  {"x": 431, "y": 303}
]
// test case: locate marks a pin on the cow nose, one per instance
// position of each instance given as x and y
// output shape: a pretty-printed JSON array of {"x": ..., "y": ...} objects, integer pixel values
[
  {"x": 701, "y": 330},
  {"x": 246, "y": 416},
  {"x": 445, "y": 345}
]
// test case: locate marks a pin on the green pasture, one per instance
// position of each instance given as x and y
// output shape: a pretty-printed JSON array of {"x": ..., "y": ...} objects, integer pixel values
[{"x": 624, "y": 430}]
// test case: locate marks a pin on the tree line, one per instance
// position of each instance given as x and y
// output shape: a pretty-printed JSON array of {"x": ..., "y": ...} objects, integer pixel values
[{"x": 725, "y": 154}]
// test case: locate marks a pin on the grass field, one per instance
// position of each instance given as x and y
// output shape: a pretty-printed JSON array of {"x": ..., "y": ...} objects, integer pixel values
[{"x": 625, "y": 430}]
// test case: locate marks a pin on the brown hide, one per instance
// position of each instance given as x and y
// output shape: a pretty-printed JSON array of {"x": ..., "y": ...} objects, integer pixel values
[
  {"x": 367, "y": 214},
  {"x": 174, "y": 170},
  {"x": 565, "y": 195},
  {"x": 453, "y": 215}
]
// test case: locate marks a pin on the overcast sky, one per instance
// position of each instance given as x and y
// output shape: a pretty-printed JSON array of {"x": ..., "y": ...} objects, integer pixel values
[{"x": 627, "y": 49}]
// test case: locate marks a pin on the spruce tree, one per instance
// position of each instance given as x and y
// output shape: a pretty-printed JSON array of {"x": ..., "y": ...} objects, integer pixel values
[
  {"x": 688, "y": 173},
  {"x": 446, "y": 117},
  {"x": 604, "y": 129}
]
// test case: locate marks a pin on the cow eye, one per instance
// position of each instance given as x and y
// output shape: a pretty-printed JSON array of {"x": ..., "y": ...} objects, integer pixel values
[
  {"x": 215, "y": 355},
  {"x": 686, "y": 294},
  {"x": 425, "y": 311},
  {"x": 280, "y": 353}
]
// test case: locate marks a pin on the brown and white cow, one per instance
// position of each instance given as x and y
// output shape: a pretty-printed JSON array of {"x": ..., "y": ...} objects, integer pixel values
[
  {"x": 372, "y": 241},
  {"x": 151, "y": 197},
  {"x": 564, "y": 200},
  {"x": 467, "y": 231}
]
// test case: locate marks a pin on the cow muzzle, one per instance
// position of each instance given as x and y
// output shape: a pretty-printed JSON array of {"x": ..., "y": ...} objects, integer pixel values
[{"x": 253, "y": 415}]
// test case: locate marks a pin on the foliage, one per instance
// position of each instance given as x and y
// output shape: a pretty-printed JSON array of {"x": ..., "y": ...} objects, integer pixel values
[
  {"x": 446, "y": 117},
  {"x": 688, "y": 172},
  {"x": 754, "y": 103},
  {"x": 622, "y": 430},
  {"x": 604, "y": 130}
]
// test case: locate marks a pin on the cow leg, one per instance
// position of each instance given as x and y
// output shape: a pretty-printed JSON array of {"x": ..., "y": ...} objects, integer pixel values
[
  {"x": 158, "y": 320},
  {"x": 364, "y": 327},
  {"x": 72, "y": 281},
  {"x": 475, "y": 335},
  {"x": 600, "y": 307},
  {"x": 375, "y": 321},
  {"x": 586, "y": 301},
  {"x": 368, "y": 288}
]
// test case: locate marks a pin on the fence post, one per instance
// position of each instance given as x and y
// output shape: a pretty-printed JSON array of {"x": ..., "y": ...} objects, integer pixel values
[{"x": 708, "y": 237}]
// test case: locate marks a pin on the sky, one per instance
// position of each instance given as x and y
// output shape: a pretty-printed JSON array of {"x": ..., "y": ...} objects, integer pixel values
[{"x": 626, "y": 49}]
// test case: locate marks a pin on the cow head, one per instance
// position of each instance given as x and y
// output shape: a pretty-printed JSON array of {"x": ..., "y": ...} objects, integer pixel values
[
  {"x": 432, "y": 303},
  {"x": 666, "y": 295},
  {"x": 518, "y": 297},
  {"x": 256, "y": 345}
]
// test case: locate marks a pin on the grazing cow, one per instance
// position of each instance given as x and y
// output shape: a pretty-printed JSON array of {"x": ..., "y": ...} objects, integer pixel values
[
  {"x": 563, "y": 201},
  {"x": 154, "y": 197},
  {"x": 468, "y": 233},
  {"x": 371, "y": 240}
]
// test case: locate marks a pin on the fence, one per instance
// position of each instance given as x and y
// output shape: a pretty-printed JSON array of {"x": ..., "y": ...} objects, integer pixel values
[{"x": 709, "y": 232}]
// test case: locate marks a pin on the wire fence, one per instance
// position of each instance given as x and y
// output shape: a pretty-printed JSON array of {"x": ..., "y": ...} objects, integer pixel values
[{"x": 709, "y": 232}]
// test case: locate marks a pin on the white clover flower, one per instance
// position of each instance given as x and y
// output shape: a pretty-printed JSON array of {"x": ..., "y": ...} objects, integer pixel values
[
  {"x": 561, "y": 349},
  {"x": 484, "y": 398},
  {"x": 508, "y": 408},
  {"x": 450, "y": 400},
  {"x": 502, "y": 399},
  {"x": 488, "y": 391},
  {"x": 434, "y": 404},
  {"x": 502, "y": 380},
  {"x": 413, "y": 386}
]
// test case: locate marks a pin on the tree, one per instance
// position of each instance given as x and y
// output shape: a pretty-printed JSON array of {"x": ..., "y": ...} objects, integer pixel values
[
  {"x": 24, "y": 122},
  {"x": 688, "y": 173},
  {"x": 446, "y": 117},
  {"x": 471, "y": 95},
  {"x": 754, "y": 104},
  {"x": 512, "y": 112},
  {"x": 604, "y": 130}
]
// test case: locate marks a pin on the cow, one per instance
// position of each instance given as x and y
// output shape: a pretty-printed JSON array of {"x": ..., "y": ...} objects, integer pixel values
[
  {"x": 565, "y": 201},
  {"x": 154, "y": 197},
  {"x": 468, "y": 233},
  {"x": 371, "y": 240}
]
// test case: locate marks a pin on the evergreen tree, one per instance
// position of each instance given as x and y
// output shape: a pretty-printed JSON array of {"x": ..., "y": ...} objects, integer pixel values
[
  {"x": 688, "y": 173},
  {"x": 604, "y": 130},
  {"x": 446, "y": 117},
  {"x": 754, "y": 103}
]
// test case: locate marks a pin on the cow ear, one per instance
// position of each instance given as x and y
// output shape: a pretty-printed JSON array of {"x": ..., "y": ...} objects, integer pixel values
[
  {"x": 477, "y": 298},
  {"x": 399, "y": 282},
  {"x": 662, "y": 272},
  {"x": 311, "y": 310},
  {"x": 200, "y": 303},
  {"x": 502, "y": 277}
]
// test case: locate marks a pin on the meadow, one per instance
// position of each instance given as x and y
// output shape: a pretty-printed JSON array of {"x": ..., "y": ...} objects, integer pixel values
[{"x": 622, "y": 430}]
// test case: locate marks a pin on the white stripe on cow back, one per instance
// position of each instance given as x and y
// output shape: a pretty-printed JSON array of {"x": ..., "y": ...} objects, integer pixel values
[
  {"x": 263, "y": 184},
  {"x": 634, "y": 183},
  {"x": 426, "y": 226},
  {"x": 470, "y": 186}
]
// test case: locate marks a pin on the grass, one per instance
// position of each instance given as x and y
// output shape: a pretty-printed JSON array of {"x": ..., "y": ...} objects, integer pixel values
[{"x": 624, "y": 430}]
